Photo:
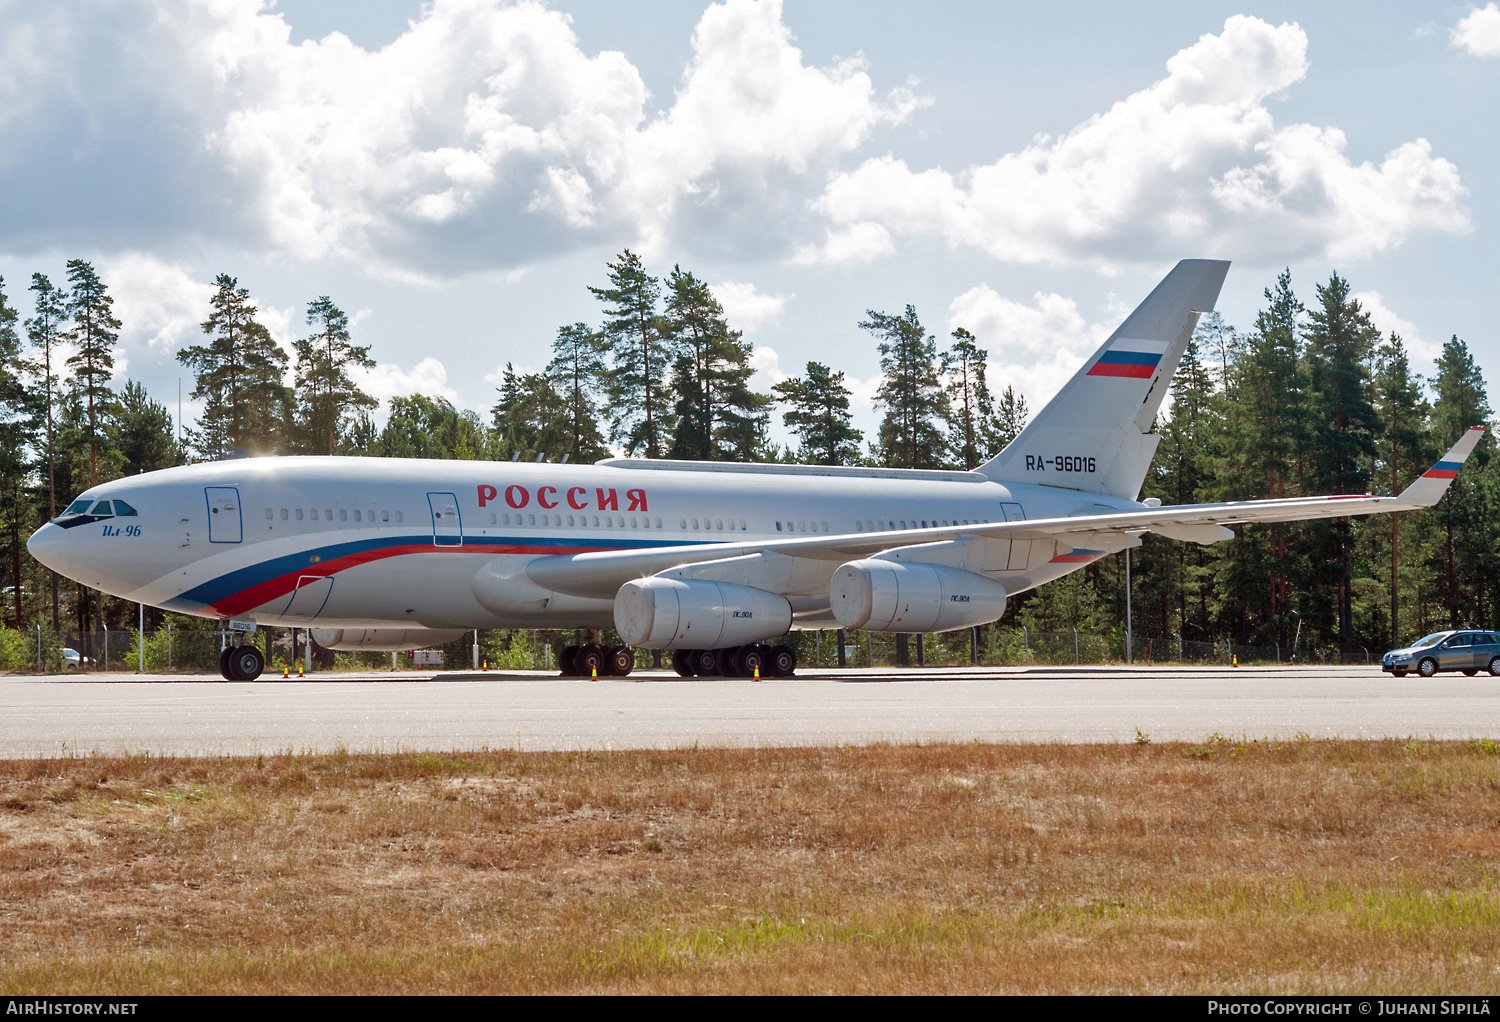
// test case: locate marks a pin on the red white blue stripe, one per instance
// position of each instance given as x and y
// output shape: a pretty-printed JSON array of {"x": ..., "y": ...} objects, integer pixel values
[{"x": 1132, "y": 364}]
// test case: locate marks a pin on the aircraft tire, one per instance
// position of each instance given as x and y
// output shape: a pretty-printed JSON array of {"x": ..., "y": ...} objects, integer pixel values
[
  {"x": 782, "y": 661},
  {"x": 245, "y": 663},
  {"x": 621, "y": 661},
  {"x": 682, "y": 662},
  {"x": 565, "y": 661},
  {"x": 724, "y": 662},
  {"x": 705, "y": 662},
  {"x": 224, "y": 655},
  {"x": 591, "y": 658},
  {"x": 752, "y": 656}
]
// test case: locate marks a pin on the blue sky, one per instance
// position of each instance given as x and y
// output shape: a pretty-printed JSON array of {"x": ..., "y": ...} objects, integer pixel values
[{"x": 456, "y": 174}]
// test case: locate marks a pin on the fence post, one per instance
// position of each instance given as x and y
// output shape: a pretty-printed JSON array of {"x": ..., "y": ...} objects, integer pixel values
[
  {"x": 1278, "y": 652},
  {"x": 818, "y": 647},
  {"x": 106, "y": 648},
  {"x": 921, "y": 650},
  {"x": 973, "y": 646},
  {"x": 870, "y": 646},
  {"x": 169, "y": 645},
  {"x": 39, "y": 667},
  {"x": 1179, "y": 647},
  {"x": 476, "y": 649},
  {"x": 141, "y": 639},
  {"x": 1076, "y": 660},
  {"x": 1026, "y": 642}
]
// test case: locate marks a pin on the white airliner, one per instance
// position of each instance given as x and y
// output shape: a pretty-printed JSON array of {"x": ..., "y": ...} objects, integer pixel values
[{"x": 705, "y": 559}]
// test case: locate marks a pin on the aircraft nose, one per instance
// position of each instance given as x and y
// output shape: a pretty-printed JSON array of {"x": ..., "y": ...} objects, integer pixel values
[{"x": 49, "y": 545}]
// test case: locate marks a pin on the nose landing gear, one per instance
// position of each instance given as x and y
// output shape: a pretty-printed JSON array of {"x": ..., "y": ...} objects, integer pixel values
[{"x": 241, "y": 663}]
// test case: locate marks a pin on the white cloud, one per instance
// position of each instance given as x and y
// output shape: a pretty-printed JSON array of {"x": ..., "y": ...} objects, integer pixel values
[
  {"x": 745, "y": 307},
  {"x": 1035, "y": 347},
  {"x": 482, "y": 137},
  {"x": 1478, "y": 32},
  {"x": 1192, "y": 165},
  {"x": 158, "y": 303},
  {"x": 428, "y": 377},
  {"x": 1387, "y": 322}
]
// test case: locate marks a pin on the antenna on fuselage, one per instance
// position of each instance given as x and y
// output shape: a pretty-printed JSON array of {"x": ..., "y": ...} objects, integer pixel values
[
  {"x": 564, "y": 460},
  {"x": 516, "y": 456},
  {"x": 539, "y": 458}
]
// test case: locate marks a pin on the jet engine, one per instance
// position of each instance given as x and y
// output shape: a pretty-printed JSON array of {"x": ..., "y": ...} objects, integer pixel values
[
  {"x": 382, "y": 639},
  {"x": 667, "y": 613},
  {"x": 898, "y": 596}
]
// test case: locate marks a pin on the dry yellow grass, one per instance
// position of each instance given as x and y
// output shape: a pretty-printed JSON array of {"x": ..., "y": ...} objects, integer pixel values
[{"x": 1310, "y": 867}]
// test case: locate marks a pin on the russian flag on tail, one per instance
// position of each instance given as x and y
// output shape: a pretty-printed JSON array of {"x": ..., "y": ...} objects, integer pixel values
[
  {"x": 1134, "y": 364},
  {"x": 1443, "y": 470}
]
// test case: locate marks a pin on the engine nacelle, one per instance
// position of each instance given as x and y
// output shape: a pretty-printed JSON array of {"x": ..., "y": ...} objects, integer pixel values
[
  {"x": 898, "y": 596},
  {"x": 669, "y": 613},
  {"x": 382, "y": 639}
]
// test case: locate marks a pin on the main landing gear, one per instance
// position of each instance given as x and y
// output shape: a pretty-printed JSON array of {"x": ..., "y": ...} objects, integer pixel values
[
  {"x": 735, "y": 661},
  {"x": 608, "y": 661},
  {"x": 241, "y": 663}
]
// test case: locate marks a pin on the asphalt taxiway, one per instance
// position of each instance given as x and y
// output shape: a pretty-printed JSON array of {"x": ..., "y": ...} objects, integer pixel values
[{"x": 185, "y": 715}]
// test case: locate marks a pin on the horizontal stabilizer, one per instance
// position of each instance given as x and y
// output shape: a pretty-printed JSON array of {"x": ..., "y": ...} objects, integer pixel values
[{"x": 1429, "y": 489}]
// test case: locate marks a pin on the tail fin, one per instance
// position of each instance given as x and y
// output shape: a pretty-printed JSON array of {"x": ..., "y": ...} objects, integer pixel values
[
  {"x": 1092, "y": 435},
  {"x": 1433, "y": 483}
]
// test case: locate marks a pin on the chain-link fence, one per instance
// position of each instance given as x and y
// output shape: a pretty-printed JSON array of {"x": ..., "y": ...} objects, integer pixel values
[{"x": 196, "y": 650}]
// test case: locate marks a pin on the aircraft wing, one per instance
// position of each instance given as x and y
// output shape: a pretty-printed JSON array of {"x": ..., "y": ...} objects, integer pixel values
[{"x": 601, "y": 573}]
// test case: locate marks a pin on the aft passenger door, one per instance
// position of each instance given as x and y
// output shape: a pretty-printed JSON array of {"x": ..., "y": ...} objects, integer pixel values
[
  {"x": 447, "y": 524},
  {"x": 224, "y": 522}
]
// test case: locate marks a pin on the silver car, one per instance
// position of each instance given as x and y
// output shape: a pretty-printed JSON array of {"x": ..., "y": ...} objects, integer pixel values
[{"x": 1468, "y": 650}]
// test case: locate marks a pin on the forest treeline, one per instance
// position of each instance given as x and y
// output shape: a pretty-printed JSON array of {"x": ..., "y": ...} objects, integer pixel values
[{"x": 1311, "y": 399}]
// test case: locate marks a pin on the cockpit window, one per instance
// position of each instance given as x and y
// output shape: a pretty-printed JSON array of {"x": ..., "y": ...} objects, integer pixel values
[
  {"x": 122, "y": 508},
  {"x": 78, "y": 507},
  {"x": 102, "y": 508}
]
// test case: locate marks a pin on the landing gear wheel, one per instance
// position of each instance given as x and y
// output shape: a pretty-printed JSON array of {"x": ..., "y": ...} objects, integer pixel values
[
  {"x": 782, "y": 661},
  {"x": 224, "y": 655},
  {"x": 751, "y": 658},
  {"x": 1427, "y": 668},
  {"x": 724, "y": 662},
  {"x": 1469, "y": 672},
  {"x": 682, "y": 662},
  {"x": 705, "y": 662},
  {"x": 565, "y": 661},
  {"x": 621, "y": 661},
  {"x": 590, "y": 659},
  {"x": 1495, "y": 667},
  {"x": 245, "y": 663}
]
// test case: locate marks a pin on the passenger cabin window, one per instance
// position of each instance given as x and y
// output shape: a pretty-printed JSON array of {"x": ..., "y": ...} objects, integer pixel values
[
  {"x": 385, "y": 516},
  {"x": 399, "y": 517},
  {"x": 299, "y": 514},
  {"x": 270, "y": 514}
]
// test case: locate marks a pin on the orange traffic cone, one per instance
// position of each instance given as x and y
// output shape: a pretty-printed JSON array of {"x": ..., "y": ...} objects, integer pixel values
[
  {"x": 486, "y": 665},
  {"x": 299, "y": 668},
  {"x": 593, "y": 674},
  {"x": 284, "y": 671},
  {"x": 757, "y": 672},
  {"x": 1234, "y": 660}
]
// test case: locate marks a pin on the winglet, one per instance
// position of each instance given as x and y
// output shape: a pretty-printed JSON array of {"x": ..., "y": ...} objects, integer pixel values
[{"x": 1426, "y": 491}]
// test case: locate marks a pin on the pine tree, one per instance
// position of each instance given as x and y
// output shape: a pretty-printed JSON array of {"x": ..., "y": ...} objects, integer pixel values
[
  {"x": 94, "y": 333},
  {"x": 1465, "y": 512},
  {"x": 911, "y": 433},
  {"x": 327, "y": 396},
  {"x": 239, "y": 375},
  {"x": 717, "y": 413},
  {"x": 577, "y": 372},
  {"x": 143, "y": 432},
  {"x": 1009, "y": 420},
  {"x": 1404, "y": 450},
  {"x": 635, "y": 337},
  {"x": 973, "y": 408},
  {"x": 818, "y": 414},
  {"x": 1264, "y": 398},
  {"x": 1341, "y": 340},
  {"x": 419, "y": 427},
  {"x": 17, "y": 512},
  {"x": 532, "y": 418},
  {"x": 44, "y": 330}
]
